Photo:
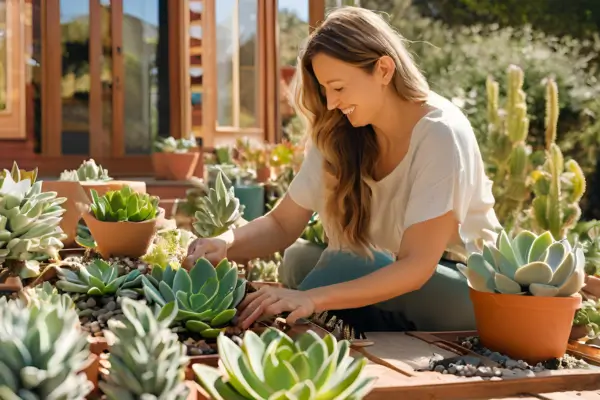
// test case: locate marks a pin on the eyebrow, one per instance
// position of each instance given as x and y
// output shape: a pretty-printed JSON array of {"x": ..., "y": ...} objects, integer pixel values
[{"x": 333, "y": 80}]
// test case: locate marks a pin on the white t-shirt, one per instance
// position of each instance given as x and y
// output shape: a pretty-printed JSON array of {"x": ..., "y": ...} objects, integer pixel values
[{"x": 442, "y": 171}]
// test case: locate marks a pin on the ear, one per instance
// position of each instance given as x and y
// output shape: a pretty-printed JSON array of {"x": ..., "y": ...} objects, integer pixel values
[{"x": 385, "y": 69}]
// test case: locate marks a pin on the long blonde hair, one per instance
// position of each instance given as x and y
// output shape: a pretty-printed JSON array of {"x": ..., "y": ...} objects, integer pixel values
[{"x": 359, "y": 37}]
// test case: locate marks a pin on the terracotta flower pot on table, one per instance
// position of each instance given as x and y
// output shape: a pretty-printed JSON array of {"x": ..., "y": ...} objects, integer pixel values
[
  {"x": 181, "y": 166},
  {"x": 107, "y": 186},
  {"x": 74, "y": 193},
  {"x": 159, "y": 165},
  {"x": 121, "y": 239},
  {"x": 529, "y": 328}
]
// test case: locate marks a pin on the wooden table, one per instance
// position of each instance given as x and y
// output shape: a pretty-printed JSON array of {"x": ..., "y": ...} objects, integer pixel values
[{"x": 396, "y": 358}]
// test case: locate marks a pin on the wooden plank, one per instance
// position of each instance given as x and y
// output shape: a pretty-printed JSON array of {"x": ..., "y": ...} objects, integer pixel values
[
  {"x": 594, "y": 395},
  {"x": 209, "y": 78},
  {"x": 96, "y": 131},
  {"x": 117, "y": 144},
  {"x": 51, "y": 79}
]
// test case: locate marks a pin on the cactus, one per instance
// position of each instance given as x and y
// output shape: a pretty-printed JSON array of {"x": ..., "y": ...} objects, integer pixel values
[
  {"x": 29, "y": 225},
  {"x": 220, "y": 209},
  {"x": 147, "y": 361},
  {"x": 527, "y": 265},
  {"x": 87, "y": 171},
  {"x": 558, "y": 186},
  {"x": 506, "y": 150}
]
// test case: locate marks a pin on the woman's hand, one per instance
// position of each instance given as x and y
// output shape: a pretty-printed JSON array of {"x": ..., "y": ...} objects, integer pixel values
[
  {"x": 269, "y": 301},
  {"x": 213, "y": 249}
]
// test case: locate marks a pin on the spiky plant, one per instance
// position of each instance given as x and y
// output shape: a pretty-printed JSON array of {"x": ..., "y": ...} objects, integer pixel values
[
  {"x": 42, "y": 352},
  {"x": 273, "y": 366},
  {"x": 527, "y": 265},
  {"x": 147, "y": 361},
  {"x": 87, "y": 171},
  {"x": 219, "y": 210},
  {"x": 46, "y": 294},
  {"x": 29, "y": 225}
]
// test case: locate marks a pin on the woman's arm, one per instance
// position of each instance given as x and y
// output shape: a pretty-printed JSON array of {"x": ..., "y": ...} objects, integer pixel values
[
  {"x": 265, "y": 235},
  {"x": 422, "y": 247}
]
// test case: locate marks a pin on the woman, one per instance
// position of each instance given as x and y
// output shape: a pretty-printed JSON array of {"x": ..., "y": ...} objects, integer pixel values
[{"x": 396, "y": 175}]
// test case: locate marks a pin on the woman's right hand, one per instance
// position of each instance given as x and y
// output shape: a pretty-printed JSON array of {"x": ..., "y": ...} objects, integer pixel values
[{"x": 213, "y": 249}]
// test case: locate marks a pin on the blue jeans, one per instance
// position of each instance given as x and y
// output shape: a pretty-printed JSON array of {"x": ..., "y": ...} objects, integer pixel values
[{"x": 442, "y": 304}]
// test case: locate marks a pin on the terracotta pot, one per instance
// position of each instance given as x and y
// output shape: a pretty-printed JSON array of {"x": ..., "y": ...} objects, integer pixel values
[
  {"x": 529, "y": 328},
  {"x": 98, "y": 344},
  {"x": 74, "y": 193},
  {"x": 103, "y": 187},
  {"x": 181, "y": 166},
  {"x": 121, "y": 239},
  {"x": 92, "y": 370},
  {"x": 578, "y": 333},
  {"x": 159, "y": 165},
  {"x": 263, "y": 174},
  {"x": 592, "y": 286},
  {"x": 196, "y": 391},
  {"x": 12, "y": 284}
]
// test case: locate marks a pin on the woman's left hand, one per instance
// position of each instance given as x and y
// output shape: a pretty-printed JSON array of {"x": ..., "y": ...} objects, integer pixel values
[{"x": 269, "y": 301}]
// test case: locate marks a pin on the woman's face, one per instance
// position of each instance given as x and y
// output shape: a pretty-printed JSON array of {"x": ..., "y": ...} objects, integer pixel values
[{"x": 355, "y": 92}]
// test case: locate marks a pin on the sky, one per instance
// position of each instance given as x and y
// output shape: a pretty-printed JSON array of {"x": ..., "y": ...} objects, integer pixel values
[{"x": 148, "y": 9}]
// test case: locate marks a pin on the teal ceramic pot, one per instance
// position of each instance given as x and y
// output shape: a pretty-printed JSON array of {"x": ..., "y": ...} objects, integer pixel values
[{"x": 253, "y": 199}]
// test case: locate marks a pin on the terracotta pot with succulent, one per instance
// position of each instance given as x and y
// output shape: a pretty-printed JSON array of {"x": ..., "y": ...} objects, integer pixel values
[
  {"x": 43, "y": 351},
  {"x": 525, "y": 292},
  {"x": 315, "y": 368},
  {"x": 174, "y": 159},
  {"x": 122, "y": 222},
  {"x": 30, "y": 234},
  {"x": 146, "y": 358},
  {"x": 586, "y": 325}
]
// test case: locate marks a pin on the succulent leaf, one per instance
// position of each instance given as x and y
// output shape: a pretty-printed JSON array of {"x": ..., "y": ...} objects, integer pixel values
[
  {"x": 124, "y": 205},
  {"x": 97, "y": 278}
]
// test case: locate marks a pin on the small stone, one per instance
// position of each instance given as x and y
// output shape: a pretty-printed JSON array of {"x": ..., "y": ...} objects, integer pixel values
[
  {"x": 510, "y": 363},
  {"x": 497, "y": 357},
  {"x": 98, "y": 334},
  {"x": 91, "y": 302},
  {"x": 111, "y": 306},
  {"x": 485, "y": 372},
  {"x": 497, "y": 371},
  {"x": 452, "y": 370},
  {"x": 141, "y": 268},
  {"x": 86, "y": 313},
  {"x": 82, "y": 305},
  {"x": 538, "y": 369},
  {"x": 189, "y": 342},
  {"x": 194, "y": 351},
  {"x": 95, "y": 327},
  {"x": 439, "y": 368},
  {"x": 495, "y": 378},
  {"x": 459, "y": 367}
]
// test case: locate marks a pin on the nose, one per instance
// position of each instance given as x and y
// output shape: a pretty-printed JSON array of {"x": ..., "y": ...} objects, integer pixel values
[{"x": 332, "y": 101}]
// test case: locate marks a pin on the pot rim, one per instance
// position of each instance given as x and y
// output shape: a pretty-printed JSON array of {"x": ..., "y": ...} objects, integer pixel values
[
  {"x": 148, "y": 221},
  {"x": 517, "y": 300}
]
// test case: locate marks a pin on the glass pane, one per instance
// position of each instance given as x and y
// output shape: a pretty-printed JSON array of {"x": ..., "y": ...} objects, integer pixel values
[
  {"x": 75, "y": 84},
  {"x": 3, "y": 56},
  {"x": 225, "y": 18},
  {"x": 35, "y": 62},
  {"x": 145, "y": 54},
  {"x": 248, "y": 50}
]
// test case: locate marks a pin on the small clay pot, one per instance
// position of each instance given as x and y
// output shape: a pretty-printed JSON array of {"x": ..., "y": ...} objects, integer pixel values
[
  {"x": 578, "y": 333},
  {"x": 263, "y": 174},
  {"x": 529, "y": 328},
  {"x": 92, "y": 370},
  {"x": 592, "y": 286},
  {"x": 74, "y": 194},
  {"x": 159, "y": 164},
  {"x": 181, "y": 166},
  {"x": 197, "y": 392},
  {"x": 103, "y": 187},
  {"x": 121, "y": 239},
  {"x": 12, "y": 284}
]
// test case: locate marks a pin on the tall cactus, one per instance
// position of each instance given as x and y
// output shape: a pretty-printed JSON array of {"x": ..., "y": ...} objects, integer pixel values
[
  {"x": 506, "y": 150},
  {"x": 558, "y": 185}
]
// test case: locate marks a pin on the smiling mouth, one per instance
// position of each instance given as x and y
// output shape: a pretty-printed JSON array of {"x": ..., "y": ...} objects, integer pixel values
[{"x": 348, "y": 110}]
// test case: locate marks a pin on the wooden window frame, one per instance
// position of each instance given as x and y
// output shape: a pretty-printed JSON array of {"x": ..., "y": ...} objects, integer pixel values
[{"x": 13, "y": 117}]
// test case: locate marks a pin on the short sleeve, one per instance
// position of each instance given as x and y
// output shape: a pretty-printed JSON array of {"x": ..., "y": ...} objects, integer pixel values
[
  {"x": 438, "y": 177},
  {"x": 305, "y": 188}
]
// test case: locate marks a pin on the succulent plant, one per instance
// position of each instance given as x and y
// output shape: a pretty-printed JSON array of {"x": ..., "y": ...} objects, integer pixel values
[
  {"x": 99, "y": 278},
  {"x": 273, "y": 366},
  {"x": 29, "y": 225},
  {"x": 588, "y": 315},
  {"x": 19, "y": 174},
  {"x": 206, "y": 296},
  {"x": 87, "y": 171},
  {"x": 314, "y": 232},
  {"x": 265, "y": 270},
  {"x": 46, "y": 294},
  {"x": 146, "y": 358},
  {"x": 124, "y": 205},
  {"x": 42, "y": 352},
  {"x": 169, "y": 247},
  {"x": 220, "y": 209},
  {"x": 527, "y": 264},
  {"x": 172, "y": 145}
]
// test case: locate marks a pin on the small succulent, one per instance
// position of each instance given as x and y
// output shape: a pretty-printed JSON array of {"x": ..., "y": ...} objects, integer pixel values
[
  {"x": 29, "y": 224},
  {"x": 206, "y": 296},
  {"x": 46, "y": 294},
  {"x": 528, "y": 264},
  {"x": 99, "y": 278},
  {"x": 19, "y": 174},
  {"x": 124, "y": 205},
  {"x": 589, "y": 316},
  {"x": 42, "y": 352},
  {"x": 87, "y": 171},
  {"x": 265, "y": 270},
  {"x": 172, "y": 145},
  {"x": 314, "y": 232},
  {"x": 273, "y": 366},
  {"x": 219, "y": 209},
  {"x": 147, "y": 361},
  {"x": 169, "y": 247}
]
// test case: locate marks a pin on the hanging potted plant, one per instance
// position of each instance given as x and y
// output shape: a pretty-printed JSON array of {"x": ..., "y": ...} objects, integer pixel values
[
  {"x": 525, "y": 294},
  {"x": 122, "y": 222},
  {"x": 173, "y": 159}
]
